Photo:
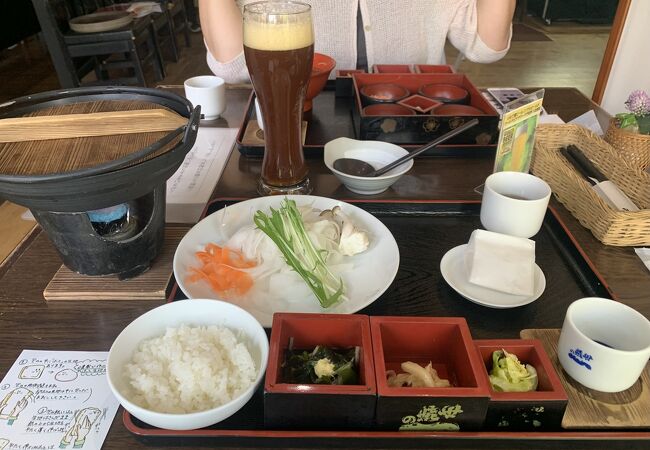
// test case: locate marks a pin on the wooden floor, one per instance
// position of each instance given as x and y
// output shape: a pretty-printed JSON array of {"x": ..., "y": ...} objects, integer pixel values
[{"x": 572, "y": 58}]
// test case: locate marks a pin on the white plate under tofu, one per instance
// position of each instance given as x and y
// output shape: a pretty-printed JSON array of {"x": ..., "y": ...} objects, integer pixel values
[{"x": 452, "y": 267}]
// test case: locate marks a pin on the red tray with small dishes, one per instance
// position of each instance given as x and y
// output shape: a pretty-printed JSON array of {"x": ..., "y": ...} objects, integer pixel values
[
  {"x": 425, "y": 127},
  {"x": 335, "y": 116},
  {"x": 425, "y": 231}
]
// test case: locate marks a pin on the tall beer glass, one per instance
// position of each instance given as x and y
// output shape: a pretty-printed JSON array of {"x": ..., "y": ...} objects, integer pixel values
[{"x": 279, "y": 50}]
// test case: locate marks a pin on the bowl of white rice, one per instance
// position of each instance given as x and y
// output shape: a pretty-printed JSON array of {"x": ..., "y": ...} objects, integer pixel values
[{"x": 188, "y": 364}]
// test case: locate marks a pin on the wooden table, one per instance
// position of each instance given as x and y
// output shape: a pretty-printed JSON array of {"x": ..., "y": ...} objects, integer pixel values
[{"x": 27, "y": 322}]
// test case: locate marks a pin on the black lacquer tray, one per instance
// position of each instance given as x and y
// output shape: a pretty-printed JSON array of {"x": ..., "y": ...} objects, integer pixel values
[
  {"x": 425, "y": 231},
  {"x": 336, "y": 116}
]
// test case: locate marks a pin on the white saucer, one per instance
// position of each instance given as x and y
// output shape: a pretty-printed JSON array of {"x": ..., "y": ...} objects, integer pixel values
[{"x": 452, "y": 267}]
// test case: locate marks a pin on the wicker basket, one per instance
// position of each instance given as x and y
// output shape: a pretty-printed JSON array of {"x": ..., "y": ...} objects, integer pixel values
[
  {"x": 633, "y": 147},
  {"x": 610, "y": 226}
]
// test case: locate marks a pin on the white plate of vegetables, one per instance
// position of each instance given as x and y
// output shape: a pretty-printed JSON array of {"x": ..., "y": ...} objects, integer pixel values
[{"x": 288, "y": 254}]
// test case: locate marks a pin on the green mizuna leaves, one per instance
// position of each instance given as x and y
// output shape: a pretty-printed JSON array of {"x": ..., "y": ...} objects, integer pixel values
[{"x": 286, "y": 228}]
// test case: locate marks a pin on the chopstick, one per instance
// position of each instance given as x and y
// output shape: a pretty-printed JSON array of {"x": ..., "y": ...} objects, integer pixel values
[
  {"x": 586, "y": 163},
  {"x": 577, "y": 166},
  {"x": 607, "y": 190}
]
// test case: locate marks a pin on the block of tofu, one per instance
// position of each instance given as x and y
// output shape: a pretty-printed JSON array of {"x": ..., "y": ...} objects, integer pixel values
[{"x": 501, "y": 262}]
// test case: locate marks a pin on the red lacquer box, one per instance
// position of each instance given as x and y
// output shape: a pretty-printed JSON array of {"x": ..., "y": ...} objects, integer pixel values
[
  {"x": 408, "y": 68},
  {"x": 392, "y": 68},
  {"x": 537, "y": 410},
  {"x": 433, "y": 68},
  {"x": 319, "y": 406},
  {"x": 424, "y": 128},
  {"x": 343, "y": 83},
  {"x": 447, "y": 344}
]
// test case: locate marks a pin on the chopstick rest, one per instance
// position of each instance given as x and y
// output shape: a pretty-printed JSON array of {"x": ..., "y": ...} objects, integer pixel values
[{"x": 67, "y": 126}]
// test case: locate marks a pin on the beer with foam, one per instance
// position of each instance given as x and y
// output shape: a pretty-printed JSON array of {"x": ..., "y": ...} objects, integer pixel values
[{"x": 279, "y": 50}]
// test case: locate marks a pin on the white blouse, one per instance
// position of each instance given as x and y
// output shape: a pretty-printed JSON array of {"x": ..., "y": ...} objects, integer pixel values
[{"x": 396, "y": 32}]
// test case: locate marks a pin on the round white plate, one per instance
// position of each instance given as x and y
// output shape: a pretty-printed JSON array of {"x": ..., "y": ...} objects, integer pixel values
[
  {"x": 101, "y": 21},
  {"x": 372, "y": 273},
  {"x": 452, "y": 267}
]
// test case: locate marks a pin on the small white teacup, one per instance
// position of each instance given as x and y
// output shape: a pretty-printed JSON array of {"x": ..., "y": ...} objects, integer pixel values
[
  {"x": 209, "y": 92},
  {"x": 604, "y": 344},
  {"x": 514, "y": 203}
]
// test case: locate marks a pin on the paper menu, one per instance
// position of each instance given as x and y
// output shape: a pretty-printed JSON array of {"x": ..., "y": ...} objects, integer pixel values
[
  {"x": 56, "y": 400},
  {"x": 517, "y": 133},
  {"x": 189, "y": 189}
]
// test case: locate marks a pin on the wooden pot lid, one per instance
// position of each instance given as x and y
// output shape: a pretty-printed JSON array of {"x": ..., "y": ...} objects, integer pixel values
[
  {"x": 110, "y": 133},
  {"x": 88, "y": 172}
]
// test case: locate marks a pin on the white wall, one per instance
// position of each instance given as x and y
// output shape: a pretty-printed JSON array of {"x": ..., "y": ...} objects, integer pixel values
[{"x": 631, "y": 67}]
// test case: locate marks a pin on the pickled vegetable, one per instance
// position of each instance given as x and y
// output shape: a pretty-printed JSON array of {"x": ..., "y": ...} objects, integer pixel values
[
  {"x": 322, "y": 365},
  {"x": 508, "y": 374},
  {"x": 416, "y": 376}
]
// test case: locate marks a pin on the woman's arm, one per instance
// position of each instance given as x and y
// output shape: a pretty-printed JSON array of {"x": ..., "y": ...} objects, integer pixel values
[
  {"x": 494, "y": 19},
  {"x": 221, "y": 23}
]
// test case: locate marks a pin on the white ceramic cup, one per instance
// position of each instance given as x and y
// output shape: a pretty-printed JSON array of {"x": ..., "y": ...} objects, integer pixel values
[
  {"x": 604, "y": 344},
  {"x": 514, "y": 203},
  {"x": 209, "y": 92}
]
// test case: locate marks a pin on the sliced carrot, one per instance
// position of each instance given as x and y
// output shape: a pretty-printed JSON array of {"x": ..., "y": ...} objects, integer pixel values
[{"x": 220, "y": 268}]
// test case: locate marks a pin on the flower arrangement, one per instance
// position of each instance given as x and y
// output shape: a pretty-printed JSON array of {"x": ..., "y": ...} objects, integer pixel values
[{"x": 637, "y": 120}]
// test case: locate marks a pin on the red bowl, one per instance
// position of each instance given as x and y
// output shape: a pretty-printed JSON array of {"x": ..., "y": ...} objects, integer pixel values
[
  {"x": 446, "y": 93},
  {"x": 458, "y": 110},
  {"x": 387, "y": 109},
  {"x": 383, "y": 93},
  {"x": 320, "y": 72}
]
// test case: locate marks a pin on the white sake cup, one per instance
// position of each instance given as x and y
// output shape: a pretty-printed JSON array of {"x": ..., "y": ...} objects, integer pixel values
[
  {"x": 604, "y": 344},
  {"x": 209, "y": 92},
  {"x": 514, "y": 203}
]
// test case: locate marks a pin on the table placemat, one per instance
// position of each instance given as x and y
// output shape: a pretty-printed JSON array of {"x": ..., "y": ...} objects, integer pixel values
[
  {"x": 254, "y": 135},
  {"x": 589, "y": 409},
  {"x": 151, "y": 285}
]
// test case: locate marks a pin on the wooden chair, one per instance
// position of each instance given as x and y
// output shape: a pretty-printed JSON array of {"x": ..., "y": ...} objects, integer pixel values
[
  {"x": 162, "y": 24},
  {"x": 129, "y": 48},
  {"x": 178, "y": 18},
  {"x": 165, "y": 25},
  {"x": 164, "y": 33}
]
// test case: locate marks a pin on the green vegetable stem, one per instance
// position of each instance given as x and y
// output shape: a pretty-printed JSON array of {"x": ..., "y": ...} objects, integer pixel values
[{"x": 287, "y": 229}]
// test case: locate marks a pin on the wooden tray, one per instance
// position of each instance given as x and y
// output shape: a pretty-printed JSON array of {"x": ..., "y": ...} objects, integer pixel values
[
  {"x": 424, "y": 231},
  {"x": 592, "y": 409},
  {"x": 154, "y": 284},
  {"x": 254, "y": 135},
  {"x": 333, "y": 117}
]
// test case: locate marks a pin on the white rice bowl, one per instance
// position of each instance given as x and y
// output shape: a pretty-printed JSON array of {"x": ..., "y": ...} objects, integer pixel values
[
  {"x": 189, "y": 369},
  {"x": 188, "y": 364}
]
